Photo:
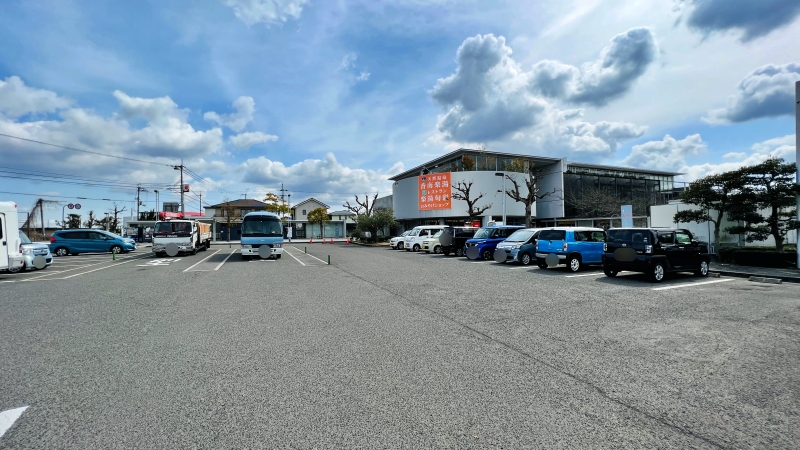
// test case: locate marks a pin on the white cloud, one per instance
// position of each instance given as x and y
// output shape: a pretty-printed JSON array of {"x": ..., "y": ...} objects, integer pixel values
[
  {"x": 489, "y": 100},
  {"x": 668, "y": 154},
  {"x": 348, "y": 61},
  {"x": 268, "y": 12},
  {"x": 244, "y": 106},
  {"x": 246, "y": 140},
  {"x": 363, "y": 76},
  {"x": 596, "y": 83},
  {"x": 316, "y": 177},
  {"x": 16, "y": 99},
  {"x": 766, "y": 92},
  {"x": 782, "y": 147}
]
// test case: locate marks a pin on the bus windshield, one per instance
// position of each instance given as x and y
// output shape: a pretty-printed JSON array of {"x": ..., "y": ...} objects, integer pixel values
[{"x": 262, "y": 227}]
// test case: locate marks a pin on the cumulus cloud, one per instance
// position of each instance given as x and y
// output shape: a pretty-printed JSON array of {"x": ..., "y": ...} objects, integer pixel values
[
  {"x": 268, "y": 12},
  {"x": 782, "y": 147},
  {"x": 316, "y": 176},
  {"x": 489, "y": 99},
  {"x": 348, "y": 61},
  {"x": 165, "y": 137},
  {"x": 668, "y": 154},
  {"x": 17, "y": 99},
  {"x": 766, "y": 92},
  {"x": 363, "y": 76},
  {"x": 244, "y": 106},
  {"x": 754, "y": 18},
  {"x": 244, "y": 141},
  {"x": 596, "y": 83}
]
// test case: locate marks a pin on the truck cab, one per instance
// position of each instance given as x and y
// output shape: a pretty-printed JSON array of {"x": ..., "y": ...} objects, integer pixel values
[
  {"x": 10, "y": 244},
  {"x": 190, "y": 236}
]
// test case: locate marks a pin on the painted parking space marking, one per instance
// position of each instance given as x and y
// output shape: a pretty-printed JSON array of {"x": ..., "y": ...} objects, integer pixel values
[
  {"x": 692, "y": 284},
  {"x": 101, "y": 268},
  {"x": 202, "y": 260},
  {"x": 51, "y": 273},
  {"x": 7, "y": 418},
  {"x": 295, "y": 258},
  {"x": 159, "y": 262},
  {"x": 309, "y": 254},
  {"x": 225, "y": 260},
  {"x": 585, "y": 275}
]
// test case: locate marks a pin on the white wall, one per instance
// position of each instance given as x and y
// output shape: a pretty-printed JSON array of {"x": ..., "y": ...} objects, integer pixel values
[{"x": 552, "y": 177}]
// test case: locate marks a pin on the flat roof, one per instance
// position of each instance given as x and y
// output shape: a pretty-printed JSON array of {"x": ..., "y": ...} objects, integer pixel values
[{"x": 537, "y": 159}]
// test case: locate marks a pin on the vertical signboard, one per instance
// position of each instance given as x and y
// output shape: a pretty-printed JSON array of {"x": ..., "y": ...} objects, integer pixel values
[
  {"x": 434, "y": 191},
  {"x": 627, "y": 216}
]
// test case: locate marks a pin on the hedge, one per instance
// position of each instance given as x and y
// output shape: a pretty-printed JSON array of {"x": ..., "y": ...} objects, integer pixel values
[{"x": 759, "y": 256}]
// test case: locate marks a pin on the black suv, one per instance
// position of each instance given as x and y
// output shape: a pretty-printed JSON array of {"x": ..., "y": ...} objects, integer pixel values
[
  {"x": 458, "y": 237},
  {"x": 654, "y": 251}
]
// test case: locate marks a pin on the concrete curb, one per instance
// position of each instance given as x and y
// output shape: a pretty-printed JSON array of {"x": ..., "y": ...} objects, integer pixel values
[{"x": 753, "y": 275}]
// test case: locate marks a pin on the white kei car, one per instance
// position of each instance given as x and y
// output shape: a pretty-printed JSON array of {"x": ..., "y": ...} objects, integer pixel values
[{"x": 397, "y": 241}]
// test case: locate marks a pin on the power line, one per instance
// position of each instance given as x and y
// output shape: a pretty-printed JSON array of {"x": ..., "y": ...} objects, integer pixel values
[
  {"x": 62, "y": 196},
  {"x": 84, "y": 151}
]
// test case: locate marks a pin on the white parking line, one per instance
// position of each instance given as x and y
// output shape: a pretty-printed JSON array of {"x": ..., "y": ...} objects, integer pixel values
[
  {"x": 209, "y": 256},
  {"x": 692, "y": 284},
  {"x": 102, "y": 268},
  {"x": 76, "y": 268},
  {"x": 309, "y": 254},
  {"x": 584, "y": 275},
  {"x": 295, "y": 258},
  {"x": 7, "y": 418},
  {"x": 223, "y": 261}
]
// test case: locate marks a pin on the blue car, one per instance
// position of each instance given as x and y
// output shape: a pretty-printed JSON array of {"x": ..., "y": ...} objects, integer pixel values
[
  {"x": 72, "y": 242},
  {"x": 486, "y": 240},
  {"x": 572, "y": 246}
]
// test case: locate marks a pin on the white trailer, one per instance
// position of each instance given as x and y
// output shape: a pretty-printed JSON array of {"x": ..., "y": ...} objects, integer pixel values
[{"x": 10, "y": 255}]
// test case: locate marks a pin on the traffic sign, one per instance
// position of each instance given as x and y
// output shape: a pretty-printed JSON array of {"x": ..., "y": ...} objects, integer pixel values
[
  {"x": 77, "y": 206},
  {"x": 70, "y": 206}
]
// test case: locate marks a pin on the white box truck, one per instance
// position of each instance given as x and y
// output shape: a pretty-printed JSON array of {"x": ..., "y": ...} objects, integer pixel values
[{"x": 10, "y": 255}]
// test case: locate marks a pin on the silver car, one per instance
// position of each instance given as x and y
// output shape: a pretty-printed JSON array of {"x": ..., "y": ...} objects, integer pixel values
[{"x": 31, "y": 250}]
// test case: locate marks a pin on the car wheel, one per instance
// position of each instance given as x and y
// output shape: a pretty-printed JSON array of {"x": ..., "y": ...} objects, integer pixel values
[
  {"x": 574, "y": 264},
  {"x": 460, "y": 252},
  {"x": 415, "y": 248},
  {"x": 399, "y": 246},
  {"x": 525, "y": 259},
  {"x": 17, "y": 269},
  {"x": 116, "y": 249},
  {"x": 610, "y": 272},
  {"x": 657, "y": 274},
  {"x": 61, "y": 251},
  {"x": 703, "y": 270},
  {"x": 277, "y": 256},
  {"x": 541, "y": 263},
  {"x": 437, "y": 249},
  {"x": 487, "y": 255},
  {"x": 245, "y": 257}
]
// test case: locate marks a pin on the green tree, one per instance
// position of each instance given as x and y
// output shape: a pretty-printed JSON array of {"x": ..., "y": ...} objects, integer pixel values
[
  {"x": 73, "y": 221},
  {"x": 275, "y": 205},
  {"x": 716, "y": 196},
  {"x": 767, "y": 206},
  {"x": 320, "y": 216},
  {"x": 463, "y": 189},
  {"x": 380, "y": 219}
]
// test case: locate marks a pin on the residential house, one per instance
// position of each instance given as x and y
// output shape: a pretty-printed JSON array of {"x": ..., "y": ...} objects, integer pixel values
[{"x": 219, "y": 215}]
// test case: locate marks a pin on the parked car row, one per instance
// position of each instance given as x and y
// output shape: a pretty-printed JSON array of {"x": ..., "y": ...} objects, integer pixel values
[{"x": 654, "y": 251}]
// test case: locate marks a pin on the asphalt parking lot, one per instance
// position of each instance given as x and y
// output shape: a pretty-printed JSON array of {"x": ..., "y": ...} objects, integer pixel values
[{"x": 386, "y": 348}]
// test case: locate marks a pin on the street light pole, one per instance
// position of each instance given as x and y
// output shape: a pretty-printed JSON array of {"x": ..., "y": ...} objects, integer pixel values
[
  {"x": 158, "y": 208},
  {"x": 502, "y": 174}
]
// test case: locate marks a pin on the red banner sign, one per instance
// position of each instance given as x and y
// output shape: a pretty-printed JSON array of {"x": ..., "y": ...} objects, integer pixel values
[{"x": 434, "y": 191}]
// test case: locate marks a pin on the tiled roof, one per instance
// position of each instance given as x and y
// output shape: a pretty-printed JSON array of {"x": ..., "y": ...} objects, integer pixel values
[
  {"x": 241, "y": 203},
  {"x": 312, "y": 199}
]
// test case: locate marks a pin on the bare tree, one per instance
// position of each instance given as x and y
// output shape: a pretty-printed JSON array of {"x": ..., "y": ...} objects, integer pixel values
[
  {"x": 92, "y": 221},
  {"x": 463, "y": 193},
  {"x": 230, "y": 213},
  {"x": 362, "y": 208},
  {"x": 531, "y": 181},
  {"x": 115, "y": 222}
]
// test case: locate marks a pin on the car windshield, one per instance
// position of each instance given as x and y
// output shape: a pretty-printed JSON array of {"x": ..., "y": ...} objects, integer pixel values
[
  {"x": 438, "y": 233},
  {"x": 173, "y": 227},
  {"x": 483, "y": 233},
  {"x": 24, "y": 239},
  {"x": 262, "y": 227},
  {"x": 520, "y": 236}
]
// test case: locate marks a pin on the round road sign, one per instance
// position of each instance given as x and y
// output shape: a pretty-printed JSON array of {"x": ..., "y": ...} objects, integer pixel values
[
  {"x": 265, "y": 251},
  {"x": 77, "y": 206},
  {"x": 172, "y": 249},
  {"x": 39, "y": 262},
  {"x": 70, "y": 206}
]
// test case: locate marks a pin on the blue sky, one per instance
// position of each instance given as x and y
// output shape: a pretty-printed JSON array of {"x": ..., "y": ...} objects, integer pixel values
[{"x": 331, "y": 98}]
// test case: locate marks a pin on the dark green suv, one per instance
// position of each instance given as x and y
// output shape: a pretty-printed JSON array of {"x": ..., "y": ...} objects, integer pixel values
[{"x": 654, "y": 251}]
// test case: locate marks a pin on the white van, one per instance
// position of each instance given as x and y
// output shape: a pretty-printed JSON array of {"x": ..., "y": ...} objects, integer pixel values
[
  {"x": 413, "y": 242},
  {"x": 10, "y": 256}
]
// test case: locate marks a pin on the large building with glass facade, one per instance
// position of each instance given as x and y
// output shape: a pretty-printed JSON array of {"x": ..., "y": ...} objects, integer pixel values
[{"x": 580, "y": 194}]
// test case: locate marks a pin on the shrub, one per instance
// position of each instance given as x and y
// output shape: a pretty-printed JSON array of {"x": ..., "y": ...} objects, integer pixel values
[{"x": 759, "y": 256}]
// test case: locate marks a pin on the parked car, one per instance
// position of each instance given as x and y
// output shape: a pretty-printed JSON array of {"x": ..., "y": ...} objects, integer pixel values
[
  {"x": 29, "y": 251},
  {"x": 413, "y": 240},
  {"x": 573, "y": 246},
  {"x": 458, "y": 237},
  {"x": 487, "y": 238},
  {"x": 72, "y": 242},
  {"x": 432, "y": 244},
  {"x": 519, "y": 247},
  {"x": 654, "y": 252},
  {"x": 397, "y": 241}
]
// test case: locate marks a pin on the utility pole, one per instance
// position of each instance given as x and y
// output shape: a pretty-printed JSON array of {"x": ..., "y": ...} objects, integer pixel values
[
  {"x": 139, "y": 189},
  {"x": 201, "y": 201},
  {"x": 282, "y": 191},
  {"x": 181, "y": 187}
]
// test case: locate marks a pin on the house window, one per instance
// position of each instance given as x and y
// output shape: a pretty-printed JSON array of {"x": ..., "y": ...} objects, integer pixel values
[{"x": 304, "y": 212}]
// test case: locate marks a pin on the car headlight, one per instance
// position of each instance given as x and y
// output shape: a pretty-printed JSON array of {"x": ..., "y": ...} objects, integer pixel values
[
  {"x": 247, "y": 246},
  {"x": 277, "y": 245},
  {"x": 27, "y": 251}
]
